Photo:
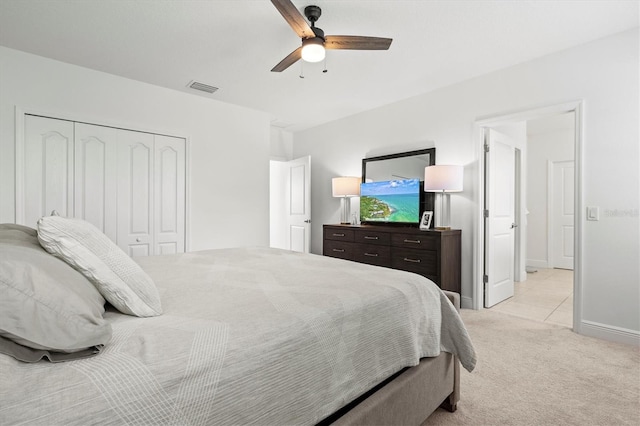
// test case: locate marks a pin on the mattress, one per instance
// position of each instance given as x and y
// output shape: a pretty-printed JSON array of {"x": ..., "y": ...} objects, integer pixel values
[{"x": 248, "y": 336}]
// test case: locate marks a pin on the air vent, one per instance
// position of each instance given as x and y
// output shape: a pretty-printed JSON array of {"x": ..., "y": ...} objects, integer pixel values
[{"x": 202, "y": 87}]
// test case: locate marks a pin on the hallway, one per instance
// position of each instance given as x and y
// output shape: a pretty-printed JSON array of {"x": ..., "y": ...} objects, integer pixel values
[{"x": 546, "y": 296}]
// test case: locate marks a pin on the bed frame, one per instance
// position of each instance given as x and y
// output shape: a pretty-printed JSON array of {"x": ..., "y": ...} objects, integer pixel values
[{"x": 410, "y": 396}]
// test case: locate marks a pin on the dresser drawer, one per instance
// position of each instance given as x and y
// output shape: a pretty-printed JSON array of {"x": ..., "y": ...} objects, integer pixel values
[
  {"x": 340, "y": 249},
  {"x": 338, "y": 234},
  {"x": 415, "y": 241},
  {"x": 372, "y": 254},
  {"x": 423, "y": 262},
  {"x": 372, "y": 237}
]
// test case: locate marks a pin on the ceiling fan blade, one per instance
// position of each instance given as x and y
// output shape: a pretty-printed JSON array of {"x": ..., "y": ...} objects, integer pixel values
[
  {"x": 357, "y": 42},
  {"x": 291, "y": 59},
  {"x": 295, "y": 19}
]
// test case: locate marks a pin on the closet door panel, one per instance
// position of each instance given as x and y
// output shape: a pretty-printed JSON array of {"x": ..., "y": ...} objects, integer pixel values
[
  {"x": 169, "y": 194},
  {"x": 135, "y": 189},
  {"x": 95, "y": 168},
  {"x": 48, "y": 168}
]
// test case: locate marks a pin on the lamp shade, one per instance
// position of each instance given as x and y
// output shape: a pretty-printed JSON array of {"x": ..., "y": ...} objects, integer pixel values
[
  {"x": 346, "y": 186},
  {"x": 443, "y": 178}
]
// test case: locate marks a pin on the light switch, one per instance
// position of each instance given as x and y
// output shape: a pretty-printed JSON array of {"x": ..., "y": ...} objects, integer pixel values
[{"x": 593, "y": 213}]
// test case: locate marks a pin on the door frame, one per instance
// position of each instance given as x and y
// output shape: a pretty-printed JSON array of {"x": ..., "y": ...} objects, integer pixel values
[
  {"x": 577, "y": 107},
  {"x": 519, "y": 216}
]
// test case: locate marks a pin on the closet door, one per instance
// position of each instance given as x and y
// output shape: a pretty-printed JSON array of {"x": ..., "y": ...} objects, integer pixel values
[
  {"x": 95, "y": 169},
  {"x": 47, "y": 169},
  {"x": 135, "y": 191},
  {"x": 130, "y": 185},
  {"x": 169, "y": 195}
]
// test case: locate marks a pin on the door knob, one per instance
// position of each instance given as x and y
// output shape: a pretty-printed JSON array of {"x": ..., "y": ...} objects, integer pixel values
[
  {"x": 307, "y": 221},
  {"x": 513, "y": 225},
  {"x": 137, "y": 240}
]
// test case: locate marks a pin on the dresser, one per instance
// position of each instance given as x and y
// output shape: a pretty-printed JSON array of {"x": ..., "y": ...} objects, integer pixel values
[{"x": 433, "y": 254}]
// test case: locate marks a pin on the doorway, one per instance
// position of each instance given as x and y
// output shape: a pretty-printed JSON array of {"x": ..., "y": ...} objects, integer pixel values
[
  {"x": 524, "y": 213},
  {"x": 290, "y": 204}
]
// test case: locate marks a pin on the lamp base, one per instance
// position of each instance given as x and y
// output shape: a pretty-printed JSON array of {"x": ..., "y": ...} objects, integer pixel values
[
  {"x": 443, "y": 217},
  {"x": 345, "y": 212}
]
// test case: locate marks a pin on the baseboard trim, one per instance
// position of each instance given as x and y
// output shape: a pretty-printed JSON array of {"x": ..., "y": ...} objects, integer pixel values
[
  {"x": 466, "y": 302},
  {"x": 610, "y": 333}
]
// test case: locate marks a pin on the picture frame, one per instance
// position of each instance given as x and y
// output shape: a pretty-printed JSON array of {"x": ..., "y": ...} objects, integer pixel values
[{"x": 425, "y": 221}]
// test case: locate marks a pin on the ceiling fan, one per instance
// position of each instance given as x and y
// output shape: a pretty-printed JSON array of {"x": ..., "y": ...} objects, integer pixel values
[{"x": 314, "y": 42}]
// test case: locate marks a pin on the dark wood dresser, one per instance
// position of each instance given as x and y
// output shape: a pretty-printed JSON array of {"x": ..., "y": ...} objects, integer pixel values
[{"x": 434, "y": 254}]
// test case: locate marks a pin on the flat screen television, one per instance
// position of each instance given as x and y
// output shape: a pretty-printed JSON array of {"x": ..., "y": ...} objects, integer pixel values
[{"x": 392, "y": 201}]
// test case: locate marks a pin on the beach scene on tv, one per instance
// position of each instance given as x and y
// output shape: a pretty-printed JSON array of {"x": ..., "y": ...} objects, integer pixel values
[{"x": 390, "y": 201}]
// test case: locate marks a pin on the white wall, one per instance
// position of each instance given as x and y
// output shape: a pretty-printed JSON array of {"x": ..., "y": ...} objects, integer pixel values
[
  {"x": 547, "y": 140},
  {"x": 281, "y": 144},
  {"x": 229, "y": 145},
  {"x": 603, "y": 73}
]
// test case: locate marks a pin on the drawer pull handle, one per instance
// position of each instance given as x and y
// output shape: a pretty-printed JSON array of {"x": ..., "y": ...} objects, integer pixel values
[
  {"x": 367, "y": 237},
  {"x": 338, "y": 235},
  {"x": 371, "y": 254},
  {"x": 339, "y": 250},
  {"x": 412, "y": 241},
  {"x": 406, "y": 259}
]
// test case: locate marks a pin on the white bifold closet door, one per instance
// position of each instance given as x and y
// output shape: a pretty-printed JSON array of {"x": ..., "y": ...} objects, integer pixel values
[
  {"x": 47, "y": 170},
  {"x": 95, "y": 166},
  {"x": 129, "y": 184},
  {"x": 169, "y": 195},
  {"x": 151, "y": 196},
  {"x": 135, "y": 193}
]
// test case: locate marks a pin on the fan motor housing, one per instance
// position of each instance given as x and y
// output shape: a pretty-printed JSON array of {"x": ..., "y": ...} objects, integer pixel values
[{"x": 312, "y": 13}]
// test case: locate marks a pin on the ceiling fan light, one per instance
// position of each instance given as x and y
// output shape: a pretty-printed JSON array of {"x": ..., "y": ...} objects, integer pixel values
[{"x": 313, "y": 49}]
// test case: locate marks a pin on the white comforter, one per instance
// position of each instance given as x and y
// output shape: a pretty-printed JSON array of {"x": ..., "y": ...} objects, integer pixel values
[{"x": 249, "y": 336}]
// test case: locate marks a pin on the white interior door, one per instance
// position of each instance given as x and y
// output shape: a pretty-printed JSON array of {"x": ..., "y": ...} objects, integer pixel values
[
  {"x": 95, "y": 166},
  {"x": 562, "y": 214},
  {"x": 169, "y": 196},
  {"x": 298, "y": 201},
  {"x": 47, "y": 169},
  {"x": 135, "y": 190},
  {"x": 500, "y": 217}
]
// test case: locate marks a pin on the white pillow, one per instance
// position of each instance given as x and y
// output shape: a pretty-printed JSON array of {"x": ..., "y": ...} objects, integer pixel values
[
  {"x": 47, "y": 308},
  {"x": 118, "y": 278}
]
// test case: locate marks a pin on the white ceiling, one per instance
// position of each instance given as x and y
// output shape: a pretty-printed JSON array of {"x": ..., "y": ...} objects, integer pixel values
[{"x": 234, "y": 44}]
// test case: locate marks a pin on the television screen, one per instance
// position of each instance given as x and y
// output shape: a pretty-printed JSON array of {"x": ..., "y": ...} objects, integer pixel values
[{"x": 393, "y": 201}]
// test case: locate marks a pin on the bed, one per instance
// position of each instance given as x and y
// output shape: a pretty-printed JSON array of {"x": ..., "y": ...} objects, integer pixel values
[{"x": 257, "y": 336}]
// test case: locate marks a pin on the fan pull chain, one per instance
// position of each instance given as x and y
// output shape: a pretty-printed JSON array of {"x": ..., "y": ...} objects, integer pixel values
[
  {"x": 325, "y": 64},
  {"x": 301, "y": 69}
]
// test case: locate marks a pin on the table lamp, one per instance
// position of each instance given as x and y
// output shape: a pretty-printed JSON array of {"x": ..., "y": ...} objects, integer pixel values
[
  {"x": 442, "y": 180},
  {"x": 345, "y": 187}
]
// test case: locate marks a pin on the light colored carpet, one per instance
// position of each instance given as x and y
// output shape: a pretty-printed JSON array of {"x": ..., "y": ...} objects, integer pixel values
[{"x": 532, "y": 373}]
